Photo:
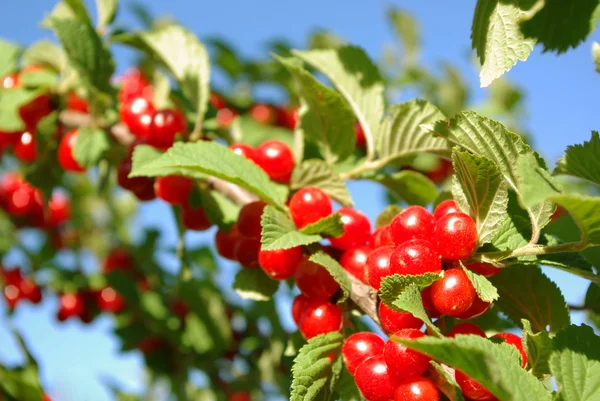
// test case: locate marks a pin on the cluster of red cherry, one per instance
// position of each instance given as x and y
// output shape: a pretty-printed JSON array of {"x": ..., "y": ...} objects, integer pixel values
[{"x": 18, "y": 288}]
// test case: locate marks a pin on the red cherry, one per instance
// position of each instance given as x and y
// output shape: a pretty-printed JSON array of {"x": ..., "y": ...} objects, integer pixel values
[
  {"x": 309, "y": 205},
  {"x": 110, "y": 301},
  {"x": 393, "y": 321},
  {"x": 142, "y": 187},
  {"x": 485, "y": 269},
  {"x": 25, "y": 147},
  {"x": 471, "y": 389},
  {"x": 12, "y": 295},
  {"x": 382, "y": 237},
  {"x": 59, "y": 209},
  {"x": 71, "y": 305},
  {"x": 354, "y": 261},
  {"x": 173, "y": 189},
  {"x": 217, "y": 101},
  {"x": 478, "y": 308},
  {"x": 466, "y": 328},
  {"x": 515, "y": 341},
  {"x": 314, "y": 281},
  {"x": 13, "y": 277},
  {"x": 240, "y": 396},
  {"x": 225, "y": 116},
  {"x": 446, "y": 207},
  {"x": 150, "y": 344},
  {"x": 65, "y": 152},
  {"x": 378, "y": 266},
  {"x": 320, "y": 317},
  {"x": 30, "y": 290},
  {"x": 179, "y": 309},
  {"x": 133, "y": 85},
  {"x": 454, "y": 293},
  {"x": 276, "y": 159},
  {"x": 25, "y": 200},
  {"x": 288, "y": 117},
  {"x": 118, "y": 259},
  {"x": 9, "y": 81},
  {"x": 46, "y": 397},
  {"x": 76, "y": 103},
  {"x": 374, "y": 380},
  {"x": 361, "y": 140},
  {"x": 241, "y": 149},
  {"x": 225, "y": 242},
  {"x": 456, "y": 236},
  {"x": 138, "y": 115},
  {"x": 428, "y": 303},
  {"x": 299, "y": 307},
  {"x": 32, "y": 112},
  {"x": 402, "y": 361},
  {"x": 280, "y": 264},
  {"x": 249, "y": 219},
  {"x": 360, "y": 346},
  {"x": 414, "y": 222},
  {"x": 357, "y": 230},
  {"x": 263, "y": 113},
  {"x": 245, "y": 252},
  {"x": 441, "y": 172},
  {"x": 166, "y": 124},
  {"x": 194, "y": 218},
  {"x": 415, "y": 257},
  {"x": 416, "y": 389}
]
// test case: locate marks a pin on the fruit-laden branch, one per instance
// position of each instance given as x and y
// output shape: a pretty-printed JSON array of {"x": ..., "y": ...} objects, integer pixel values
[{"x": 362, "y": 295}]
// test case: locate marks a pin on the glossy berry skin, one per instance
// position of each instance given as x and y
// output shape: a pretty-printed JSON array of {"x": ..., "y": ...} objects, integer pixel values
[
  {"x": 471, "y": 389},
  {"x": 71, "y": 305},
  {"x": 393, "y": 321},
  {"x": 30, "y": 290},
  {"x": 382, "y": 237},
  {"x": 32, "y": 112},
  {"x": 246, "y": 251},
  {"x": 12, "y": 295},
  {"x": 466, "y": 328},
  {"x": 241, "y": 149},
  {"x": 225, "y": 242},
  {"x": 320, "y": 317},
  {"x": 374, "y": 380},
  {"x": 516, "y": 342},
  {"x": 118, "y": 259},
  {"x": 361, "y": 140},
  {"x": 138, "y": 116},
  {"x": 446, "y": 207},
  {"x": 173, "y": 189},
  {"x": 478, "y": 308},
  {"x": 76, "y": 103},
  {"x": 142, "y": 187},
  {"x": 66, "y": 159},
  {"x": 414, "y": 222},
  {"x": 263, "y": 113},
  {"x": 194, "y": 218},
  {"x": 416, "y": 389},
  {"x": 309, "y": 205},
  {"x": 402, "y": 361},
  {"x": 354, "y": 261},
  {"x": 360, "y": 346},
  {"x": 378, "y": 266},
  {"x": 454, "y": 293},
  {"x": 299, "y": 306},
  {"x": 357, "y": 230},
  {"x": 24, "y": 200},
  {"x": 314, "y": 281},
  {"x": 225, "y": 116},
  {"x": 415, "y": 257},
  {"x": 280, "y": 264},
  {"x": 441, "y": 172},
  {"x": 59, "y": 209},
  {"x": 485, "y": 269},
  {"x": 249, "y": 219},
  {"x": 288, "y": 117},
  {"x": 166, "y": 124},
  {"x": 110, "y": 301},
  {"x": 276, "y": 159},
  {"x": 25, "y": 148},
  {"x": 133, "y": 85},
  {"x": 456, "y": 236},
  {"x": 428, "y": 303}
]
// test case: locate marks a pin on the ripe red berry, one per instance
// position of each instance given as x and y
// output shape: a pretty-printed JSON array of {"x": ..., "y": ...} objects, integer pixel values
[
  {"x": 280, "y": 264},
  {"x": 478, "y": 308},
  {"x": 402, "y": 361},
  {"x": 150, "y": 344},
  {"x": 245, "y": 252},
  {"x": 142, "y": 187},
  {"x": 456, "y": 236},
  {"x": 357, "y": 229},
  {"x": 416, "y": 389},
  {"x": 179, "y": 308},
  {"x": 110, "y": 301},
  {"x": 166, "y": 124},
  {"x": 446, "y": 207},
  {"x": 471, "y": 389},
  {"x": 239, "y": 396},
  {"x": 194, "y": 218},
  {"x": 393, "y": 321},
  {"x": 263, "y": 113},
  {"x": 299, "y": 306},
  {"x": 118, "y": 259},
  {"x": 415, "y": 257},
  {"x": 428, "y": 303},
  {"x": 454, "y": 293},
  {"x": 71, "y": 305},
  {"x": 314, "y": 281},
  {"x": 25, "y": 200},
  {"x": 441, "y": 172},
  {"x": 30, "y": 290},
  {"x": 173, "y": 189},
  {"x": 360, "y": 346},
  {"x": 354, "y": 261},
  {"x": 378, "y": 266},
  {"x": 485, "y": 269},
  {"x": 32, "y": 112},
  {"x": 134, "y": 84},
  {"x": 374, "y": 379},
  {"x": 225, "y": 242},
  {"x": 13, "y": 276},
  {"x": 9, "y": 81},
  {"x": 382, "y": 237},
  {"x": 241, "y": 149},
  {"x": 466, "y": 328},
  {"x": 309, "y": 205},
  {"x": 515, "y": 341},
  {"x": 217, "y": 101},
  {"x": 138, "y": 115},
  {"x": 76, "y": 103},
  {"x": 320, "y": 317},
  {"x": 65, "y": 152},
  {"x": 276, "y": 159},
  {"x": 225, "y": 116},
  {"x": 414, "y": 222},
  {"x": 288, "y": 117},
  {"x": 59, "y": 209},
  {"x": 361, "y": 140},
  {"x": 249, "y": 219},
  {"x": 12, "y": 295},
  {"x": 25, "y": 147}
]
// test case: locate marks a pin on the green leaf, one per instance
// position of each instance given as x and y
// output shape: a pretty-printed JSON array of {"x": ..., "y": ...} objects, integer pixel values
[
  {"x": 497, "y": 37},
  {"x": 445, "y": 382},
  {"x": 357, "y": 79},
  {"x": 213, "y": 159},
  {"x": 582, "y": 161},
  {"x": 107, "y": 9},
  {"x": 312, "y": 371},
  {"x": 316, "y": 173},
  {"x": 495, "y": 366},
  {"x": 401, "y": 134},
  {"x": 7, "y": 232},
  {"x": 410, "y": 301},
  {"x": 407, "y": 31},
  {"x": 387, "y": 215},
  {"x": 575, "y": 363},
  {"x": 10, "y": 102},
  {"x": 410, "y": 186},
  {"x": 245, "y": 130},
  {"x": 535, "y": 183},
  {"x": 546, "y": 305},
  {"x": 325, "y": 117},
  {"x": 279, "y": 231},
  {"x": 347, "y": 388},
  {"x": 254, "y": 284},
  {"x": 485, "y": 290},
  {"x": 480, "y": 191},
  {"x": 36, "y": 79},
  {"x": 219, "y": 209},
  {"x": 393, "y": 286},
  {"x": 512, "y": 233},
  {"x": 336, "y": 270},
  {"x": 90, "y": 145},
  {"x": 596, "y": 55},
  {"x": 144, "y": 155},
  {"x": 8, "y": 57},
  {"x": 330, "y": 226},
  {"x": 45, "y": 53},
  {"x": 538, "y": 347},
  {"x": 584, "y": 210}
]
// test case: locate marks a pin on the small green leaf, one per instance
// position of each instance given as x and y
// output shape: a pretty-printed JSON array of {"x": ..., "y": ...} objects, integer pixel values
[
  {"x": 90, "y": 145},
  {"x": 575, "y": 363},
  {"x": 219, "y": 209},
  {"x": 254, "y": 284},
  {"x": 336, "y": 270},
  {"x": 596, "y": 55},
  {"x": 245, "y": 130},
  {"x": 45, "y": 53},
  {"x": 410, "y": 186},
  {"x": 407, "y": 31},
  {"x": 36, "y": 79},
  {"x": 582, "y": 161},
  {"x": 584, "y": 210},
  {"x": 10, "y": 102},
  {"x": 445, "y": 382},
  {"x": 512, "y": 233},
  {"x": 279, "y": 231},
  {"x": 485, "y": 290},
  {"x": 393, "y": 286},
  {"x": 330, "y": 226},
  {"x": 316, "y": 173},
  {"x": 538, "y": 347},
  {"x": 535, "y": 183},
  {"x": 410, "y": 301},
  {"x": 107, "y": 9},
  {"x": 520, "y": 286},
  {"x": 387, "y": 215},
  {"x": 8, "y": 57}
]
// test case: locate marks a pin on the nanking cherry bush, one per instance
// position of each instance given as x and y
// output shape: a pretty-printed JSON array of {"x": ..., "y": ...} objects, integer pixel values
[{"x": 441, "y": 297}]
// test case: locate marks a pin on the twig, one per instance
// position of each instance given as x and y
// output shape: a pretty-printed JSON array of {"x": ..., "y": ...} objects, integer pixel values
[{"x": 531, "y": 250}]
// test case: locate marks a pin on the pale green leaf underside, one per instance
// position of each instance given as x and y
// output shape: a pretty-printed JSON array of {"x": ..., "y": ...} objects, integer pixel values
[
  {"x": 317, "y": 173},
  {"x": 535, "y": 183},
  {"x": 254, "y": 284},
  {"x": 538, "y": 347}
]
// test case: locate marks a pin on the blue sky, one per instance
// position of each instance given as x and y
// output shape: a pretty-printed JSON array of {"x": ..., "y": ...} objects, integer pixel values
[{"x": 561, "y": 101}]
